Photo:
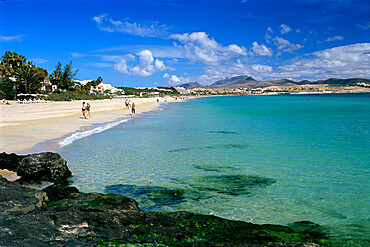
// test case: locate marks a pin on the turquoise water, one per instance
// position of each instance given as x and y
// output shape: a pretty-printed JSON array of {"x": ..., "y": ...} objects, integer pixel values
[{"x": 263, "y": 159}]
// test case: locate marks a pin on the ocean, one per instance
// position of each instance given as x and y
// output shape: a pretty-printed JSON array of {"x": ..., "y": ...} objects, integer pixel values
[{"x": 262, "y": 159}]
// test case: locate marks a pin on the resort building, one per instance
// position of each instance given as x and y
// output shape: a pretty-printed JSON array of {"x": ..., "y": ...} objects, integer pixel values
[{"x": 182, "y": 90}]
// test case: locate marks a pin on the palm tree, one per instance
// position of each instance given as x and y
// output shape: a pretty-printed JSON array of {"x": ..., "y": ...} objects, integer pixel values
[
  {"x": 28, "y": 80},
  {"x": 5, "y": 69},
  {"x": 10, "y": 62}
]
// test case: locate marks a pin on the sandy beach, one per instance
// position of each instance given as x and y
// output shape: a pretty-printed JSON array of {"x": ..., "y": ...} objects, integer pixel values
[{"x": 22, "y": 126}]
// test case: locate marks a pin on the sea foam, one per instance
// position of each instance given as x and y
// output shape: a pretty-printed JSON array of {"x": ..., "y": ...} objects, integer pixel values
[{"x": 78, "y": 135}]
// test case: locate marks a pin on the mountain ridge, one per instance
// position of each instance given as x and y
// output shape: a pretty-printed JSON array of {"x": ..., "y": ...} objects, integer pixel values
[{"x": 250, "y": 82}]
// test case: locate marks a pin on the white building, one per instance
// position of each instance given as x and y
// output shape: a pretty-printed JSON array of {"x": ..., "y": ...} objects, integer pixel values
[
  {"x": 182, "y": 90},
  {"x": 102, "y": 87}
]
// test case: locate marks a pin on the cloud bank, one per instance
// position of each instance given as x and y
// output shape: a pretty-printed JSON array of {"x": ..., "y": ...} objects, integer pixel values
[
  {"x": 13, "y": 38},
  {"x": 197, "y": 46},
  {"x": 152, "y": 29},
  {"x": 147, "y": 65}
]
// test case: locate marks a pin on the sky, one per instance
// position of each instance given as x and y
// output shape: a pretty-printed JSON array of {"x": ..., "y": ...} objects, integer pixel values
[{"x": 151, "y": 43}]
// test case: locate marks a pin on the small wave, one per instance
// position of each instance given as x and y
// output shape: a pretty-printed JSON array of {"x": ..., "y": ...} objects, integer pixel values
[{"x": 78, "y": 135}]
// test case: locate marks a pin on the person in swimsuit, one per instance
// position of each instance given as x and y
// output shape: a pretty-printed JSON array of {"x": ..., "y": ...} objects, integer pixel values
[
  {"x": 88, "y": 107},
  {"x": 133, "y": 109},
  {"x": 84, "y": 110}
]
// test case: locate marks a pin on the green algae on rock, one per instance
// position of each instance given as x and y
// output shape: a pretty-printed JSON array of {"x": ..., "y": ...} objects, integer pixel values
[{"x": 95, "y": 219}]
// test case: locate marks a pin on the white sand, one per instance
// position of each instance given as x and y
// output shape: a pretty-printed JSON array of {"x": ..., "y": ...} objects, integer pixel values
[{"x": 22, "y": 126}]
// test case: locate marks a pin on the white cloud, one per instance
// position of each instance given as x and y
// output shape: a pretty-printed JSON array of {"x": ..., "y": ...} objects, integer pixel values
[
  {"x": 285, "y": 29},
  {"x": 159, "y": 51},
  {"x": 268, "y": 34},
  {"x": 77, "y": 55},
  {"x": 285, "y": 46},
  {"x": 18, "y": 37},
  {"x": 341, "y": 62},
  {"x": 110, "y": 58},
  {"x": 218, "y": 72},
  {"x": 330, "y": 39},
  {"x": 147, "y": 65},
  {"x": 365, "y": 27},
  {"x": 99, "y": 19},
  {"x": 261, "y": 50},
  {"x": 174, "y": 80},
  {"x": 262, "y": 68},
  {"x": 121, "y": 67},
  {"x": 197, "y": 46},
  {"x": 151, "y": 29}
]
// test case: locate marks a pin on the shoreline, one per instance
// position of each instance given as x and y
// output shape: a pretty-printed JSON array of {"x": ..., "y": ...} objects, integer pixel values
[
  {"x": 38, "y": 127},
  {"x": 33, "y": 128}
]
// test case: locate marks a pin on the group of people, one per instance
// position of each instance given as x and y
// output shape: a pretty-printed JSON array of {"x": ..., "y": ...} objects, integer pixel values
[
  {"x": 4, "y": 102},
  {"x": 86, "y": 110},
  {"x": 131, "y": 106}
]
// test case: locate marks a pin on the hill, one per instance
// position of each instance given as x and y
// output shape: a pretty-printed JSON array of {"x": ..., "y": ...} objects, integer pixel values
[
  {"x": 335, "y": 81},
  {"x": 233, "y": 81},
  {"x": 250, "y": 82},
  {"x": 191, "y": 85}
]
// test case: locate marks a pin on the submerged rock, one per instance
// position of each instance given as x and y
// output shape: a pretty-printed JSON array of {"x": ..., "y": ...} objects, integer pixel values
[
  {"x": 151, "y": 197},
  {"x": 232, "y": 184},
  {"x": 36, "y": 167},
  {"x": 95, "y": 219},
  {"x": 202, "y": 188},
  {"x": 62, "y": 216}
]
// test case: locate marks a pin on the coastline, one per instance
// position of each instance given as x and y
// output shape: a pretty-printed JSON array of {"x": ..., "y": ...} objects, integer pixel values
[{"x": 22, "y": 127}]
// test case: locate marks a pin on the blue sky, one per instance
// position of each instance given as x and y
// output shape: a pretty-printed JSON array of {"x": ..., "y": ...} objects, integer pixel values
[{"x": 168, "y": 42}]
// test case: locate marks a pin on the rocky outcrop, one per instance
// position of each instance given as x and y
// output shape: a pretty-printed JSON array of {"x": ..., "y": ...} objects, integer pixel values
[
  {"x": 36, "y": 167},
  {"x": 40, "y": 218},
  {"x": 62, "y": 216}
]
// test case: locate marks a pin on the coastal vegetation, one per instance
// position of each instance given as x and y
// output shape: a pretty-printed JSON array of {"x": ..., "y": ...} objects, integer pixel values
[
  {"x": 63, "y": 79},
  {"x": 19, "y": 76}
]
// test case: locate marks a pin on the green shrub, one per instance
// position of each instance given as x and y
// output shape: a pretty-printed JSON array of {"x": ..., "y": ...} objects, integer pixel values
[
  {"x": 72, "y": 95},
  {"x": 6, "y": 87}
]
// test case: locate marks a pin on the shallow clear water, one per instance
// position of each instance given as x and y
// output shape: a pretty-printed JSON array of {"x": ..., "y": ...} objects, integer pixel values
[{"x": 264, "y": 159}]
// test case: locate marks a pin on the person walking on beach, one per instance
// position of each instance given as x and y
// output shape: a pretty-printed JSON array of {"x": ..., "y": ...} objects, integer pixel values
[
  {"x": 84, "y": 110},
  {"x": 88, "y": 107},
  {"x": 133, "y": 109}
]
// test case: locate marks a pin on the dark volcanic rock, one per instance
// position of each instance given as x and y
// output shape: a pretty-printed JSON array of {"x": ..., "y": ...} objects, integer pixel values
[
  {"x": 93, "y": 219},
  {"x": 59, "y": 191},
  {"x": 62, "y": 216},
  {"x": 44, "y": 166},
  {"x": 36, "y": 167},
  {"x": 10, "y": 161}
]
